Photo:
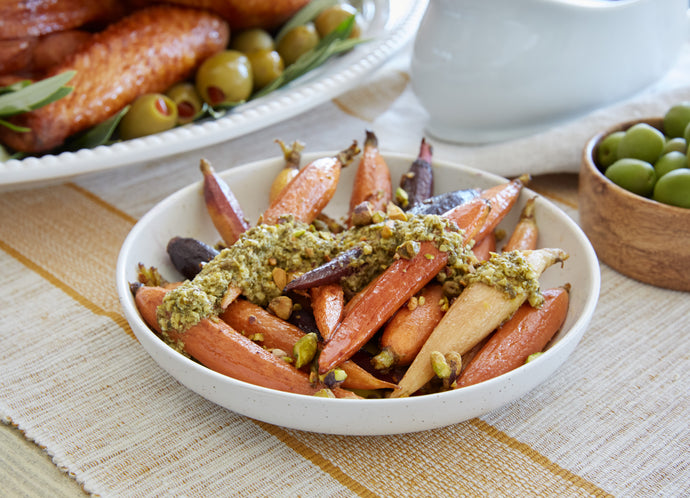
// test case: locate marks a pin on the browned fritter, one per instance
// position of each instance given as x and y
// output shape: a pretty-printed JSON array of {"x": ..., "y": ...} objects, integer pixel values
[
  {"x": 24, "y": 18},
  {"x": 242, "y": 14},
  {"x": 145, "y": 52},
  {"x": 31, "y": 56}
]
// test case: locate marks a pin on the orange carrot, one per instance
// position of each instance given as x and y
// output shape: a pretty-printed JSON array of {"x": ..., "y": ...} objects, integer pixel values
[
  {"x": 327, "y": 302},
  {"x": 255, "y": 322},
  {"x": 311, "y": 190},
  {"x": 391, "y": 289},
  {"x": 274, "y": 333},
  {"x": 526, "y": 232},
  {"x": 406, "y": 332},
  {"x": 502, "y": 197},
  {"x": 527, "y": 332},
  {"x": 219, "y": 347},
  {"x": 483, "y": 248},
  {"x": 222, "y": 206},
  {"x": 372, "y": 182}
]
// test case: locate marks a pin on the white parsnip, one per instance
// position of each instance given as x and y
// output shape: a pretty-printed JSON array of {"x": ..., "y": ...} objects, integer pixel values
[{"x": 479, "y": 310}]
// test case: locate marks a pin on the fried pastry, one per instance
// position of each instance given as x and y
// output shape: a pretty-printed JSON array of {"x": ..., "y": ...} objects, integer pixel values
[
  {"x": 147, "y": 51},
  {"x": 30, "y": 18},
  {"x": 240, "y": 14}
]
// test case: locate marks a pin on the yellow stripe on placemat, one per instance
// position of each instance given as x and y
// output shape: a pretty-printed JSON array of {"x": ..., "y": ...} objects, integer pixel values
[{"x": 72, "y": 238}]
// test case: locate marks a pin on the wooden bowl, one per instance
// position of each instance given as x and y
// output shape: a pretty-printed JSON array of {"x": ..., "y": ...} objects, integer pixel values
[{"x": 638, "y": 237}]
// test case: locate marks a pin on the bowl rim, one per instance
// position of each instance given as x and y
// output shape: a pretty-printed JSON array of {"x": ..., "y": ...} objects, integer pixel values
[
  {"x": 593, "y": 169},
  {"x": 563, "y": 346}
]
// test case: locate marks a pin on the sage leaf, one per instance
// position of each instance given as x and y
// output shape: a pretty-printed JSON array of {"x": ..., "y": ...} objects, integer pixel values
[
  {"x": 25, "y": 98},
  {"x": 100, "y": 134}
]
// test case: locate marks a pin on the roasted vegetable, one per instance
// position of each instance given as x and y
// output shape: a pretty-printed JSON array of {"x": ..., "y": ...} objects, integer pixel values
[
  {"x": 478, "y": 310},
  {"x": 418, "y": 182},
  {"x": 188, "y": 255},
  {"x": 222, "y": 206}
]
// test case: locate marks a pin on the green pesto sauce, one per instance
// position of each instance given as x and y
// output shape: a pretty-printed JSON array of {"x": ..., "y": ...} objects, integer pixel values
[
  {"x": 296, "y": 248},
  {"x": 511, "y": 273}
]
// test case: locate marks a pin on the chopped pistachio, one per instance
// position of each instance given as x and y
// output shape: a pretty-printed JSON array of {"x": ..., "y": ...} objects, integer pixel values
[
  {"x": 304, "y": 349},
  {"x": 439, "y": 365},
  {"x": 395, "y": 213},
  {"x": 383, "y": 360},
  {"x": 280, "y": 277},
  {"x": 401, "y": 197},
  {"x": 412, "y": 303},
  {"x": 281, "y": 307},
  {"x": 408, "y": 249},
  {"x": 362, "y": 214},
  {"x": 324, "y": 393},
  {"x": 333, "y": 377}
]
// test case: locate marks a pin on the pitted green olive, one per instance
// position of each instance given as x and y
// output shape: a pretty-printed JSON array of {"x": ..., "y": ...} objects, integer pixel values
[
  {"x": 188, "y": 102},
  {"x": 296, "y": 42},
  {"x": 267, "y": 65},
  {"x": 225, "y": 78},
  {"x": 252, "y": 39},
  {"x": 150, "y": 113},
  {"x": 332, "y": 17}
]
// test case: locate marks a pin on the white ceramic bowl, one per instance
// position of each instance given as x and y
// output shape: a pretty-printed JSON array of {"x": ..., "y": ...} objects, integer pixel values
[
  {"x": 495, "y": 70},
  {"x": 184, "y": 213}
]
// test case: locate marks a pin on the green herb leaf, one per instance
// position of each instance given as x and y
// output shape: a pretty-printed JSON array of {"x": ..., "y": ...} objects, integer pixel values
[
  {"x": 304, "y": 15},
  {"x": 14, "y": 127},
  {"x": 35, "y": 95},
  {"x": 99, "y": 134}
]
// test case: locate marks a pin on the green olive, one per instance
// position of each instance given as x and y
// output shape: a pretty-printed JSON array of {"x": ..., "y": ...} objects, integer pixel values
[
  {"x": 676, "y": 143},
  {"x": 607, "y": 149},
  {"x": 642, "y": 141},
  {"x": 633, "y": 175},
  {"x": 674, "y": 188},
  {"x": 670, "y": 161},
  {"x": 225, "y": 78},
  {"x": 252, "y": 39},
  {"x": 676, "y": 119},
  {"x": 296, "y": 42},
  {"x": 187, "y": 99},
  {"x": 150, "y": 113},
  {"x": 330, "y": 18},
  {"x": 267, "y": 65}
]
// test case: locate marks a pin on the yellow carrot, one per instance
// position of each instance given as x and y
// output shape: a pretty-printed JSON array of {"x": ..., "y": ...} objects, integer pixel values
[{"x": 478, "y": 310}]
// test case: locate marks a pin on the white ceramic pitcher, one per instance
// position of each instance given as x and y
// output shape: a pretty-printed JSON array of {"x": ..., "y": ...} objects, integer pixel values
[{"x": 492, "y": 70}]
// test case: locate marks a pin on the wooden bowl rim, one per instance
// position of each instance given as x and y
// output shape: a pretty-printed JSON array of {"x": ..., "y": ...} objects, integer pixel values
[{"x": 592, "y": 168}]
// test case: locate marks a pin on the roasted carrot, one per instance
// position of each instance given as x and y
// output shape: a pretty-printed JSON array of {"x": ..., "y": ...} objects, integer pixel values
[
  {"x": 293, "y": 156},
  {"x": 527, "y": 332},
  {"x": 328, "y": 273},
  {"x": 502, "y": 198},
  {"x": 311, "y": 190},
  {"x": 222, "y": 206},
  {"x": 476, "y": 313},
  {"x": 261, "y": 326},
  {"x": 188, "y": 255},
  {"x": 271, "y": 332},
  {"x": 408, "y": 330},
  {"x": 372, "y": 181},
  {"x": 391, "y": 289},
  {"x": 327, "y": 303},
  {"x": 446, "y": 201},
  {"x": 485, "y": 247},
  {"x": 216, "y": 345},
  {"x": 526, "y": 231},
  {"x": 418, "y": 181}
]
